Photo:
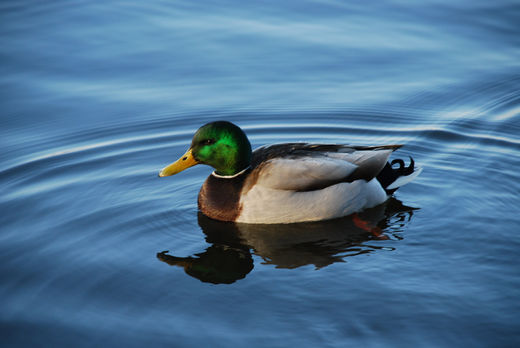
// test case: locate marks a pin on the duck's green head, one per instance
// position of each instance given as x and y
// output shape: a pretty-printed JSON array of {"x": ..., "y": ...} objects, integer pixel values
[{"x": 220, "y": 144}]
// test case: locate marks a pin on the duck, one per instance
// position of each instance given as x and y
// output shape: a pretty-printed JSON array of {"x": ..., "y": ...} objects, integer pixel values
[{"x": 288, "y": 182}]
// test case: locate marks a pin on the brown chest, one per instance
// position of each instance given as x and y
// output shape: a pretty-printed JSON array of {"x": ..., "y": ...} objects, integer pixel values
[{"x": 219, "y": 198}]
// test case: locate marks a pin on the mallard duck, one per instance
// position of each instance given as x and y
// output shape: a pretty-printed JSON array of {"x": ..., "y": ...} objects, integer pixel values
[{"x": 291, "y": 182}]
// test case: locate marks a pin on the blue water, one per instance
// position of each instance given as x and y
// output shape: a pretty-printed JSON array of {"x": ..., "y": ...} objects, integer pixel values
[{"x": 96, "y": 97}]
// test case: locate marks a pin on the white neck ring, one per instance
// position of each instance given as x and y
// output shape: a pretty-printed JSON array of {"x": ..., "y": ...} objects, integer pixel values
[{"x": 230, "y": 176}]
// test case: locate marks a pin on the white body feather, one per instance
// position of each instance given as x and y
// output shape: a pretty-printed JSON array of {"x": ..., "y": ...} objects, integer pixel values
[
  {"x": 270, "y": 206},
  {"x": 297, "y": 174},
  {"x": 281, "y": 193}
]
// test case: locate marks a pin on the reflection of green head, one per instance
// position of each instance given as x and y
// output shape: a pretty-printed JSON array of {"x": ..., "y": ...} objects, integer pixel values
[{"x": 223, "y": 146}]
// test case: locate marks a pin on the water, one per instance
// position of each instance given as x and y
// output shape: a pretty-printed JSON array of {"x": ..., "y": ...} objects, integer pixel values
[{"x": 97, "y": 97}]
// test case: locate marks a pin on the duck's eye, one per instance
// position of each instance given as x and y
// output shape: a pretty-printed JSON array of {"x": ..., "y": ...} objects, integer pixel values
[{"x": 208, "y": 142}]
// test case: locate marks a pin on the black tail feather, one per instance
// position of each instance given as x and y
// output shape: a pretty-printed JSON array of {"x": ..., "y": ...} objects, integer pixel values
[{"x": 389, "y": 174}]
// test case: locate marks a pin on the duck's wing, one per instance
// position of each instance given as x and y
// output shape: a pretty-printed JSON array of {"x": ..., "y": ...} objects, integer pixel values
[{"x": 305, "y": 167}]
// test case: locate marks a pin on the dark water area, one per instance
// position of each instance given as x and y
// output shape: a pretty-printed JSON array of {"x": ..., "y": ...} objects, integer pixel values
[{"x": 97, "y": 97}]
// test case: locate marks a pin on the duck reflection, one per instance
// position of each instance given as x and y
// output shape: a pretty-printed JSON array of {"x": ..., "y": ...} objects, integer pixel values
[{"x": 290, "y": 245}]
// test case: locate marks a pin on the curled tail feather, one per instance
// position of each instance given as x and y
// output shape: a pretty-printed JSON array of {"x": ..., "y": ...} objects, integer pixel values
[{"x": 393, "y": 178}]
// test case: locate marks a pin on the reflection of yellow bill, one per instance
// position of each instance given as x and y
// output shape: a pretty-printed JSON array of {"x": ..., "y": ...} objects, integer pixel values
[{"x": 178, "y": 166}]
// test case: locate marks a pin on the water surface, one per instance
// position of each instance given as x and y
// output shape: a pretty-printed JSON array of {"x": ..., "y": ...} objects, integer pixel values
[{"x": 98, "y": 97}]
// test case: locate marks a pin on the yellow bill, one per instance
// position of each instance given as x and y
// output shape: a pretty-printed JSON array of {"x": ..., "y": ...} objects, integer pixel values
[{"x": 178, "y": 166}]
